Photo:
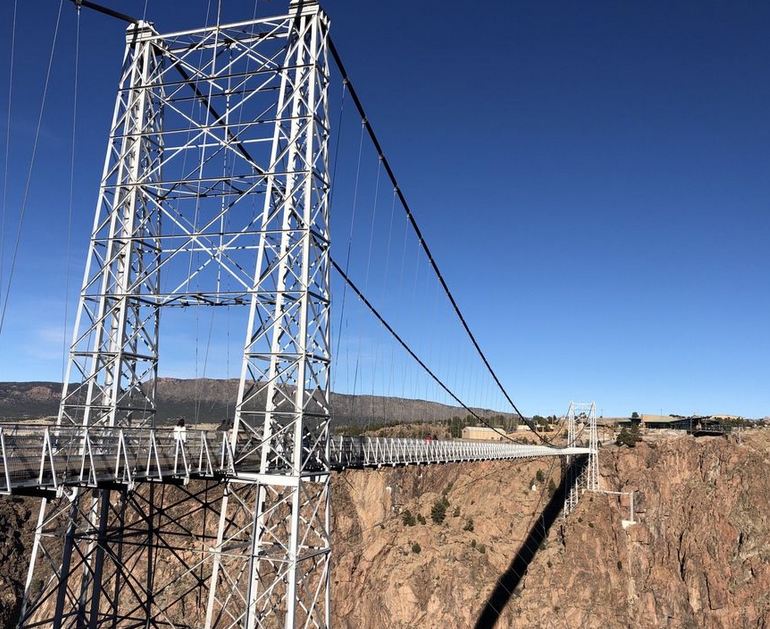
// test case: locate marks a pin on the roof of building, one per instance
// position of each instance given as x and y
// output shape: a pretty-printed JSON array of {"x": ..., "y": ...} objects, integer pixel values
[
  {"x": 662, "y": 419},
  {"x": 481, "y": 428}
]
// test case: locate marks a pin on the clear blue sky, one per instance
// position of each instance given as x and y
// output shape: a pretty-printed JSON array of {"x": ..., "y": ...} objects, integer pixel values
[{"x": 593, "y": 179}]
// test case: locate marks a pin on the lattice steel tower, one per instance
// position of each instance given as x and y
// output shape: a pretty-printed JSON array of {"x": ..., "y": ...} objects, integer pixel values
[
  {"x": 214, "y": 193},
  {"x": 581, "y": 417}
]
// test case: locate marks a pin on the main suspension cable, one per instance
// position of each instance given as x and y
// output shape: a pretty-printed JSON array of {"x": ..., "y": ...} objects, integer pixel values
[
  {"x": 421, "y": 238},
  {"x": 412, "y": 353}
]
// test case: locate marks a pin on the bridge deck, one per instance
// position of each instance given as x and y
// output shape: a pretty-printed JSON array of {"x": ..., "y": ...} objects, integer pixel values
[{"x": 40, "y": 458}]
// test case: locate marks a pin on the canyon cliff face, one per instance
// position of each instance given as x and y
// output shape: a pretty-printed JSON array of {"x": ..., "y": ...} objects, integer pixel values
[
  {"x": 698, "y": 556},
  {"x": 17, "y": 526}
]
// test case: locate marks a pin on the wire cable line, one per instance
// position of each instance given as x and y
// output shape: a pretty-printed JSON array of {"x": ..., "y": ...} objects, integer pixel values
[
  {"x": 68, "y": 242},
  {"x": 7, "y": 144},
  {"x": 411, "y": 352},
  {"x": 25, "y": 198},
  {"x": 421, "y": 238}
]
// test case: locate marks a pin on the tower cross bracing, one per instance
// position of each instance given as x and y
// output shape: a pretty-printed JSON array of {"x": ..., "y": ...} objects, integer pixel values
[
  {"x": 214, "y": 192},
  {"x": 581, "y": 429}
]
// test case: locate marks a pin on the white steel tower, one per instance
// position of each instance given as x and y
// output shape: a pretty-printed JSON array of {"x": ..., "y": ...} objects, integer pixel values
[
  {"x": 214, "y": 193},
  {"x": 581, "y": 417},
  {"x": 271, "y": 559}
]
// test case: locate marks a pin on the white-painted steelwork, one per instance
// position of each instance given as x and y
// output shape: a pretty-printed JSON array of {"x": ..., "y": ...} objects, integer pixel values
[
  {"x": 271, "y": 560},
  {"x": 53, "y": 460},
  {"x": 581, "y": 428},
  {"x": 355, "y": 452},
  {"x": 214, "y": 193}
]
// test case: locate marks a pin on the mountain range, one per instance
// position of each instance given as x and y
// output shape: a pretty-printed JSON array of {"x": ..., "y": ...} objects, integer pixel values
[{"x": 211, "y": 400}]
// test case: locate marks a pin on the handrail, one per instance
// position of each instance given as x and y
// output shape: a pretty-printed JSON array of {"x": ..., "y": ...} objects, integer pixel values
[{"x": 38, "y": 457}]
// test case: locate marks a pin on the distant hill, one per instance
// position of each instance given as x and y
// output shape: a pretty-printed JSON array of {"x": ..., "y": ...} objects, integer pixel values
[{"x": 210, "y": 400}]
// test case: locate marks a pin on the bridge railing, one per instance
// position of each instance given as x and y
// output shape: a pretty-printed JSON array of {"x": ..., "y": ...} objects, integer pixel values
[
  {"x": 379, "y": 451},
  {"x": 49, "y": 457}
]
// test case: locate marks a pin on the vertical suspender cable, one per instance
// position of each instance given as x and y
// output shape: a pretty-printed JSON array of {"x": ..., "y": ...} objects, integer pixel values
[
  {"x": 387, "y": 390},
  {"x": 350, "y": 236},
  {"x": 333, "y": 179},
  {"x": 366, "y": 283},
  {"x": 359, "y": 293},
  {"x": 68, "y": 243},
  {"x": 7, "y": 145},
  {"x": 196, "y": 214},
  {"x": 421, "y": 239},
  {"x": 25, "y": 197}
]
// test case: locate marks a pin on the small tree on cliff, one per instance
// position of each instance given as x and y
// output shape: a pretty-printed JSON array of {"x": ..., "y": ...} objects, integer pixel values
[
  {"x": 628, "y": 437},
  {"x": 438, "y": 511}
]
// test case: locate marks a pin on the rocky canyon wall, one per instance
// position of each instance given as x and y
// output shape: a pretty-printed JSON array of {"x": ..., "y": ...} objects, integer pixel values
[{"x": 699, "y": 555}]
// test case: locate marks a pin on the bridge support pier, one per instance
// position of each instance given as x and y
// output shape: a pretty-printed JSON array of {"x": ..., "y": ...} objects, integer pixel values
[{"x": 153, "y": 561}]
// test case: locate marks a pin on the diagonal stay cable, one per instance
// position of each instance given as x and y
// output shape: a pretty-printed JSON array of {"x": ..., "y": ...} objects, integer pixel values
[{"x": 421, "y": 238}]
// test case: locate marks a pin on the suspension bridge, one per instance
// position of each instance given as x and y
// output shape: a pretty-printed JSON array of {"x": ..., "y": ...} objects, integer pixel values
[{"x": 216, "y": 193}]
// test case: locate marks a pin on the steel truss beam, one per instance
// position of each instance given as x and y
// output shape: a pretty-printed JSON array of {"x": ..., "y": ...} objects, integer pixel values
[{"x": 154, "y": 542}]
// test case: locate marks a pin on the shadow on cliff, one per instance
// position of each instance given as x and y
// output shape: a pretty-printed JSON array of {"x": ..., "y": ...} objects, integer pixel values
[{"x": 511, "y": 578}]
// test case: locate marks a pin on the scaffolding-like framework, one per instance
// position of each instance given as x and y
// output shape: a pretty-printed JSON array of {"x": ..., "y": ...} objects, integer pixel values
[
  {"x": 581, "y": 417},
  {"x": 214, "y": 193}
]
